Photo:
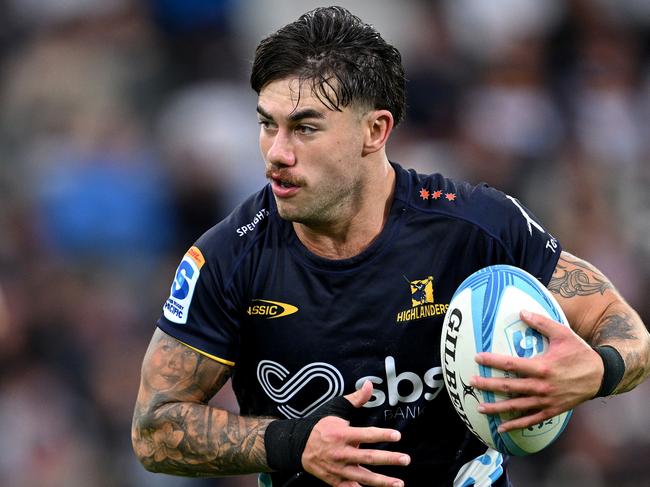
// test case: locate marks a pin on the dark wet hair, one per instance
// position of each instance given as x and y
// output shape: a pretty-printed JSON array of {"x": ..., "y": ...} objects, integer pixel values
[{"x": 346, "y": 61}]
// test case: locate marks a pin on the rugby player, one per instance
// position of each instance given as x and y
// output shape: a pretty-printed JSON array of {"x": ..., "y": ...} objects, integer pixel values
[{"x": 322, "y": 297}]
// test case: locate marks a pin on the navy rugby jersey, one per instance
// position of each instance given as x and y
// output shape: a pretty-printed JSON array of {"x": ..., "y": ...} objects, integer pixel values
[{"x": 300, "y": 329}]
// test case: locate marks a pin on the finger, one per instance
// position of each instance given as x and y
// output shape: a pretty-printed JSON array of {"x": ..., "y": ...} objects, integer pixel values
[
  {"x": 364, "y": 476},
  {"x": 372, "y": 434},
  {"x": 336, "y": 479},
  {"x": 534, "y": 420},
  {"x": 515, "y": 406},
  {"x": 376, "y": 457},
  {"x": 546, "y": 326},
  {"x": 349, "y": 483},
  {"x": 514, "y": 365},
  {"x": 361, "y": 396},
  {"x": 509, "y": 386}
]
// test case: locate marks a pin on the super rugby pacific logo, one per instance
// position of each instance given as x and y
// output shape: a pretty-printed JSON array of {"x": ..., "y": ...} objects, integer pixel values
[
  {"x": 268, "y": 309},
  {"x": 177, "y": 306}
]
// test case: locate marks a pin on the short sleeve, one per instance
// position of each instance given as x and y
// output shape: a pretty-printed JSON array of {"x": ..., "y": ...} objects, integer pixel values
[
  {"x": 520, "y": 238},
  {"x": 200, "y": 311}
]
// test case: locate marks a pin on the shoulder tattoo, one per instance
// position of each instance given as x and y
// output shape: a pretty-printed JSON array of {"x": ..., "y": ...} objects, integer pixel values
[{"x": 575, "y": 277}]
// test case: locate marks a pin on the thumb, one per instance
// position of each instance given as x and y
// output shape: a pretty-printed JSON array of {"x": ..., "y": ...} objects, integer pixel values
[{"x": 361, "y": 396}]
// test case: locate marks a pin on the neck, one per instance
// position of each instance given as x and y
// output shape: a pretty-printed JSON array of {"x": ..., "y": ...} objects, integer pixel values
[{"x": 352, "y": 233}]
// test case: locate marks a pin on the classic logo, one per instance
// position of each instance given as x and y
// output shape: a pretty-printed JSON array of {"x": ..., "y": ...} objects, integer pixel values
[
  {"x": 422, "y": 302},
  {"x": 270, "y": 309},
  {"x": 177, "y": 305}
]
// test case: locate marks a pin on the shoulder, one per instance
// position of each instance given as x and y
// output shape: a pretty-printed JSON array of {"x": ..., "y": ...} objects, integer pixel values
[
  {"x": 479, "y": 204},
  {"x": 508, "y": 231},
  {"x": 236, "y": 234}
]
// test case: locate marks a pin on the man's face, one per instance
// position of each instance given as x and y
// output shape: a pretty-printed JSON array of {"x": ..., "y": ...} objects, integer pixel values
[
  {"x": 313, "y": 155},
  {"x": 173, "y": 362}
]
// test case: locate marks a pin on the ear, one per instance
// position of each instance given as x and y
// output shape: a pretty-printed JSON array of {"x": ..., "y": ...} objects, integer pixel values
[{"x": 378, "y": 125}]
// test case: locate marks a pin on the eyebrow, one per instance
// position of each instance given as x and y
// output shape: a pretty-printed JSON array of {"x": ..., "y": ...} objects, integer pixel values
[{"x": 294, "y": 116}]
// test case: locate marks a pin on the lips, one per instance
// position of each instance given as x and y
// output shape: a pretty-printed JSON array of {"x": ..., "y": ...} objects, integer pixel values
[
  {"x": 283, "y": 187},
  {"x": 286, "y": 184}
]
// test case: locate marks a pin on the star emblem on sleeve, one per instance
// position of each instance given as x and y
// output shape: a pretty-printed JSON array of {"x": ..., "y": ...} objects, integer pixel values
[{"x": 437, "y": 194}]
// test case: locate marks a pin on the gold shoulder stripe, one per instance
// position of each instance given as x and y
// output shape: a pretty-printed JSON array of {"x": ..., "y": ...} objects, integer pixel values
[{"x": 206, "y": 354}]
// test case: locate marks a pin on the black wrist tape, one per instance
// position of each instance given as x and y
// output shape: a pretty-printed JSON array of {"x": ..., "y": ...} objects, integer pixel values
[
  {"x": 285, "y": 439},
  {"x": 284, "y": 442},
  {"x": 614, "y": 369}
]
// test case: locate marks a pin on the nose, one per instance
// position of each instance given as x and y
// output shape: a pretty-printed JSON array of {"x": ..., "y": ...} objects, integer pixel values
[
  {"x": 172, "y": 361},
  {"x": 280, "y": 152}
]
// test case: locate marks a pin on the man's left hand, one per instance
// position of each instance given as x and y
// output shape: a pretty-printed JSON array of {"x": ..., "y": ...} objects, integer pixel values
[{"x": 569, "y": 373}]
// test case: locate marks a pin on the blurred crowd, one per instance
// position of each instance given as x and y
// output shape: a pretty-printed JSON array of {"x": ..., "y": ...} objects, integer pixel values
[{"x": 128, "y": 128}]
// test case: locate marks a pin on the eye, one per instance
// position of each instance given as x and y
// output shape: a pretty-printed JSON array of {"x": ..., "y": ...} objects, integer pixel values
[
  {"x": 265, "y": 124},
  {"x": 305, "y": 129}
]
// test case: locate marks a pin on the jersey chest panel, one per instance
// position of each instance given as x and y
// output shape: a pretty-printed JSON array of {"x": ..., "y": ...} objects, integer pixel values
[{"x": 376, "y": 322}]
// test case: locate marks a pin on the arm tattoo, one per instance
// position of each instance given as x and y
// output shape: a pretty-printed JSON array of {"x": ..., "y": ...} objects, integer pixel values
[
  {"x": 635, "y": 372},
  {"x": 601, "y": 316},
  {"x": 619, "y": 330},
  {"x": 176, "y": 432},
  {"x": 614, "y": 327},
  {"x": 580, "y": 280}
]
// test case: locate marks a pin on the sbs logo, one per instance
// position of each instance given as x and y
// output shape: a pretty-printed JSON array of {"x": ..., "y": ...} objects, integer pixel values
[
  {"x": 298, "y": 394},
  {"x": 280, "y": 387},
  {"x": 429, "y": 385}
]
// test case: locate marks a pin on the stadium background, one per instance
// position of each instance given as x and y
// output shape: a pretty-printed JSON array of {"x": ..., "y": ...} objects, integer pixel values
[{"x": 127, "y": 128}]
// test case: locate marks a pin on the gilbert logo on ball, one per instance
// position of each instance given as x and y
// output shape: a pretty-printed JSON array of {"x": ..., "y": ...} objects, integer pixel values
[{"x": 483, "y": 316}]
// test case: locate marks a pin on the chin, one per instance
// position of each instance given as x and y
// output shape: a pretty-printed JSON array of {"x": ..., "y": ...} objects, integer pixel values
[
  {"x": 289, "y": 214},
  {"x": 295, "y": 216}
]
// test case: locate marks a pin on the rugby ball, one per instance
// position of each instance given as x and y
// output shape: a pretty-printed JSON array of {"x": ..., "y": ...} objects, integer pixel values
[{"x": 483, "y": 316}]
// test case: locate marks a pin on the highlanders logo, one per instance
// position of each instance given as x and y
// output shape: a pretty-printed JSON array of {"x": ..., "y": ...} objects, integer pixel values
[
  {"x": 421, "y": 291},
  {"x": 422, "y": 303}
]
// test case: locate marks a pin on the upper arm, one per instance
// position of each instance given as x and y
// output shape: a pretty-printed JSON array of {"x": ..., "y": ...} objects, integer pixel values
[
  {"x": 584, "y": 294},
  {"x": 175, "y": 431},
  {"x": 173, "y": 372}
]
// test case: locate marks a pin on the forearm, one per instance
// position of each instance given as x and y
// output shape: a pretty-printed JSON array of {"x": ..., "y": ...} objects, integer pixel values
[
  {"x": 198, "y": 440},
  {"x": 600, "y": 315},
  {"x": 621, "y": 327},
  {"x": 174, "y": 429}
]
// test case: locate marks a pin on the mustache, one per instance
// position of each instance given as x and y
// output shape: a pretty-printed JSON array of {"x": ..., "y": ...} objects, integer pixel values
[{"x": 271, "y": 173}]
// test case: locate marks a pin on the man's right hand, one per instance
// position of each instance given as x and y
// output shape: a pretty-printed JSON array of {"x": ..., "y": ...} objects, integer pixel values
[{"x": 333, "y": 455}]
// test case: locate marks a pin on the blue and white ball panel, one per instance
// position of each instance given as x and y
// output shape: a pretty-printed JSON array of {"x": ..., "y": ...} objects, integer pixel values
[
  {"x": 483, "y": 316},
  {"x": 483, "y": 471}
]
